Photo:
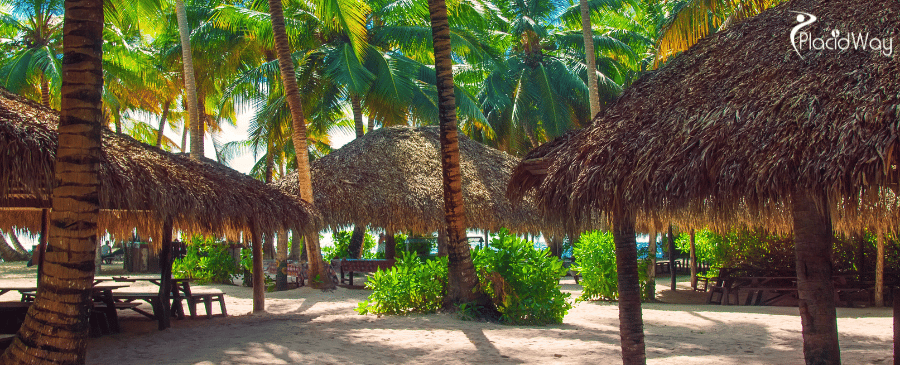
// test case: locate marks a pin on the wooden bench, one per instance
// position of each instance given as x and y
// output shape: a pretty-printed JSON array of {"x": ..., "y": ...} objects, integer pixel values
[
  {"x": 352, "y": 266},
  {"x": 207, "y": 299},
  {"x": 128, "y": 302}
]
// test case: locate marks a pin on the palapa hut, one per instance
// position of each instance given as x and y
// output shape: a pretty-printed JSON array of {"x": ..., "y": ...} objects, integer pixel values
[
  {"x": 743, "y": 125},
  {"x": 391, "y": 178},
  {"x": 142, "y": 187}
]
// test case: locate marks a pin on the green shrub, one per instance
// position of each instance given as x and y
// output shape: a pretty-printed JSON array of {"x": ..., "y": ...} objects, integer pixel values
[
  {"x": 595, "y": 260},
  {"x": 411, "y": 286},
  {"x": 523, "y": 282},
  {"x": 341, "y": 247},
  {"x": 206, "y": 261}
]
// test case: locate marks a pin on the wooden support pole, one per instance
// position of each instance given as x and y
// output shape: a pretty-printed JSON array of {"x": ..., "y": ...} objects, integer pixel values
[
  {"x": 672, "y": 256},
  {"x": 42, "y": 242},
  {"x": 879, "y": 268},
  {"x": 896, "y": 295},
  {"x": 165, "y": 283},
  {"x": 390, "y": 246},
  {"x": 259, "y": 284},
  {"x": 651, "y": 267},
  {"x": 693, "y": 262}
]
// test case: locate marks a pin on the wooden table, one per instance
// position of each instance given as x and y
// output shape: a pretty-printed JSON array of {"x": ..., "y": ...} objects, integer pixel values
[
  {"x": 180, "y": 290},
  {"x": 22, "y": 289}
]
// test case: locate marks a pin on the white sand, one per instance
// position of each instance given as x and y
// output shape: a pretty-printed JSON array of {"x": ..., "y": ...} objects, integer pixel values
[{"x": 311, "y": 326}]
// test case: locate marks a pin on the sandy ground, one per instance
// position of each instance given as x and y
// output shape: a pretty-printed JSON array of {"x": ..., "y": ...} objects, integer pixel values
[{"x": 311, "y": 326}]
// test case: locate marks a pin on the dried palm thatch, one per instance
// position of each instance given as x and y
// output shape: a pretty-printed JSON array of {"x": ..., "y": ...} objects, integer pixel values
[
  {"x": 391, "y": 178},
  {"x": 726, "y": 131},
  {"x": 140, "y": 185}
]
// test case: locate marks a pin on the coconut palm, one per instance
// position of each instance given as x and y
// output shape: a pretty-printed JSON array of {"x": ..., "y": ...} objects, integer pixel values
[
  {"x": 36, "y": 46},
  {"x": 692, "y": 20},
  {"x": 540, "y": 90},
  {"x": 55, "y": 328}
]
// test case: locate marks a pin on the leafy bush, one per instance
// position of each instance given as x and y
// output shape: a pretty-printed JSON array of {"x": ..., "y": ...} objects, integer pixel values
[
  {"x": 411, "y": 286},
  {"x": 595, "y": 260},
  {"x": 341, "y": 247},
  {"x": 523, "y": 282},
  {"x": 206, "y": 261}
]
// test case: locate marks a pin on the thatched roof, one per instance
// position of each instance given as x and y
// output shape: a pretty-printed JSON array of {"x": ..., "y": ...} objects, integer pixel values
[
  {"x": 728, "y": 129},
  {"x": 391, "y": 178},
  {"x": 140, "y": 184}
]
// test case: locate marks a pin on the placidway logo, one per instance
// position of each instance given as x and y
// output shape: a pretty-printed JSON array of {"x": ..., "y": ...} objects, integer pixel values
[{"x": 802, "y": 40}]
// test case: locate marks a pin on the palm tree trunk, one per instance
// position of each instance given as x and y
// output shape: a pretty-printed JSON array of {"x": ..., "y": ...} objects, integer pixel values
[
  {"x": 879, "y": 268},
  {"x": 269, "y": 247},
  {"x": 270, "y": 160},
  {"x": 8, "y": 253},
  {"x": 693, "y": 251},
  {"x": 296, "y": 247},
  {"x": 631, "y": 322},
  {"x": 357, "y": 116},
  {"x": 45, "y": 91},
  {"x": 162, "y": 122},
  {"x": 292, "y": 93},
  {"x": 593, "y": 90},
  {"x": 359, "y": 233},
  {"x": 55, "y": 328},
  {"x": 259, "y": 283},
  {"x": 461, "y": 272},
  {"x": 674, "y": 272},
  {"x": 812, "y": 247},
  {"x": 16, "y": 244},
  {"x": 281, "y": 257},
  {"x": 356, "y": 242},
  {"x": 651, "y": 267},
  {"x": 184, "y": 135},
  {"x": 190, "y": 83}
]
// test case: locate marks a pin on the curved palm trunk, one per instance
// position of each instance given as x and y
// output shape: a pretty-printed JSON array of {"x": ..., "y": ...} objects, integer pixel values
[
  {"x": 812, "y": 247},
  {"x": 162, "y": 122},
  {"x": 631, "y": 322},
  {"x": 318, "y": 277},
  {"x": 15, "y": 242},
  {"x": 45, "y": 91},
  {"x": 593, "y": 90},
  {"x": 281, "y": 275},
  {"x": 461, "y": 272},
  {"x": 55, "y": 329},
  {"x": 8, "y": 253},
  {"x": 359, "y": 233},
  {"x": 190, "y": 83},
  {"x": 651, "y": 267}
]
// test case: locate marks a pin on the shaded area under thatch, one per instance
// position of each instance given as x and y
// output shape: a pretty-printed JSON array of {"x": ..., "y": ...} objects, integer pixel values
[
  {"x": 726, "y": 131},
  {"x": 141, "y": 185},
  {"x": 391, "y": 178}
]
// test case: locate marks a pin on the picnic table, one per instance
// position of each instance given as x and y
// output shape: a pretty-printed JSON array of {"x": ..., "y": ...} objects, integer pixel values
[
  {"x": 179, "y": 291},
  {"x": 351, "y": 266}
]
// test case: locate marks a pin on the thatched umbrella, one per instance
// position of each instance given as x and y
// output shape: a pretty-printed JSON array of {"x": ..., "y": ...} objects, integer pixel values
[
  {"x": 391, "y": 178},
  {"x": 141, "y": 186},
  {"x": 741, "y": 125}
]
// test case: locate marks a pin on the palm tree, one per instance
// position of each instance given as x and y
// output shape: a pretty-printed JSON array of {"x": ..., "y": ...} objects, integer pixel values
[
  {"x": 292, "y": 93},
  {"x": 540, "y": 89},
  {"x": 36, "y": 48},
  {"x": 461, "y": 271},
  {"x": 55, "y": 328},
  {"x": 692, "y": 20},
  {"x": 190, "y": 83}
]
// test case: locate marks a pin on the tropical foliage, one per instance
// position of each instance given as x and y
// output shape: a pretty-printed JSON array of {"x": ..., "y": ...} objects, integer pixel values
[
  {"x": 207, "y": 260},
  {"x": 522, "y": 281},
  {"x": 410, "y": 286},
  {"x": 595, "y": 260}
]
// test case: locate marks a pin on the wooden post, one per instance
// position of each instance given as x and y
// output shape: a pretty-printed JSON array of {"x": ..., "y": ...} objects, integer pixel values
[
  {"x": 672, "y": 256},
  {"x": 879, "y": 268},
  {"x": 693, "y": 262},
  {"x": 42, "y": 242},
  {"x": 442, "y": 242},
  {"x": 259, "y": 284},
  {"x": 896, "y": 295},
  {"x": 651, "y": 267},
  {"x": 165, "y": 283},
  {"x": 390, "y": 246}
]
